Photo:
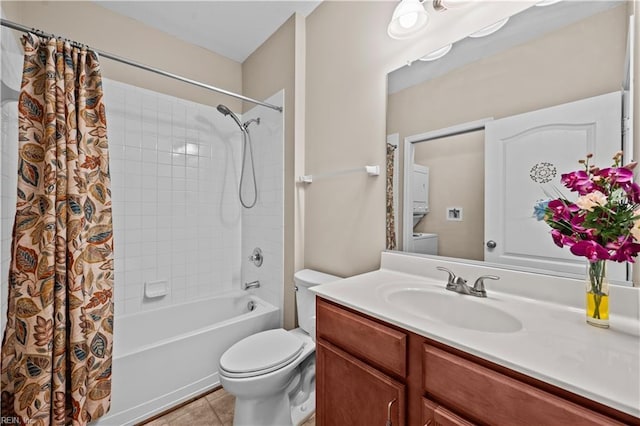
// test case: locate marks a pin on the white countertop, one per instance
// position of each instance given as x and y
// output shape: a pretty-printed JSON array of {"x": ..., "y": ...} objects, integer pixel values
[{"x": 555, "y": 344}]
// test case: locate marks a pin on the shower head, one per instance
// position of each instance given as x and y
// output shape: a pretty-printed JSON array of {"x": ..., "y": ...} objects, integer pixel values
[
  {"x": 226, "y": 111},
  {"x": 223, "y": 109}
]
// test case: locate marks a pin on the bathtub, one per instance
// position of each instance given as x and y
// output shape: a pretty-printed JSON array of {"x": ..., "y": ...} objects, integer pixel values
[{"x": 168, "y": 355}]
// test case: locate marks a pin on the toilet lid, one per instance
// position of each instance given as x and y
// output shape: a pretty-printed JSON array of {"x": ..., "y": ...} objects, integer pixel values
[{"x": 262, "y": 352}]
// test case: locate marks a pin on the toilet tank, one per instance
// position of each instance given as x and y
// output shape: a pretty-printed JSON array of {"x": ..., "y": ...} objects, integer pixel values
[{"x": 306, "y": 300}]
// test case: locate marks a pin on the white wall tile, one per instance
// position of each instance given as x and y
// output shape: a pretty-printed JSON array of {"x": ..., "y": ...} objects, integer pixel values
[
  {"x": 263, "y": 225},
  {"x": 157, "y": 153}
]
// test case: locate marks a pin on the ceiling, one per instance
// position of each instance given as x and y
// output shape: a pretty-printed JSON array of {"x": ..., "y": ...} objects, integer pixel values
[{"x": 234, "y": 28}]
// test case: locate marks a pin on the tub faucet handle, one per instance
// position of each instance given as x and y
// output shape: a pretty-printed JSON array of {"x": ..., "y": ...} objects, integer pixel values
[
  {"x": 257, "y": 257},
  {"x": 252, "y": 284}
]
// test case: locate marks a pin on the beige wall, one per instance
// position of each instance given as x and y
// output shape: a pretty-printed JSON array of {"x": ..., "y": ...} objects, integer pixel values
[
  {"x": 10, "y": 9},
  {"x": 348, "y": 57},
  {"x": 125, "y": 37},
  {"x": 456, "y": 179},
  {"x": 266, "y": 71}
]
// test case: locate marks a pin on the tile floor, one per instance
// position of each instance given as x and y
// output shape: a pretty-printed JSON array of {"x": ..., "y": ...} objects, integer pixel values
[{"x": 213, "y": 409}]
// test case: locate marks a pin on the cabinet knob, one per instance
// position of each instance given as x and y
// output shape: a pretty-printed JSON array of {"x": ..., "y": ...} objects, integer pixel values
[
  {"x": 388, "y": 423},
  {"x": 491, "y": 244}
]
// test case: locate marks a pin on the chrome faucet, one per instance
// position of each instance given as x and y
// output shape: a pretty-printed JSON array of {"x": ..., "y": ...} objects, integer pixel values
[
  {"x": 455, "y": 283},
  {"x": 252, "y": 284},
  {"x": 478, "y": 287},
  {"x": 459, "y": 284}
]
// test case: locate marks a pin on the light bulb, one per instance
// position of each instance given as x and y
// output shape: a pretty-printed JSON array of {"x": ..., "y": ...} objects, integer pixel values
[
  {"x": 408, "y": 20},
  {"x": 437, "y": 54},
  {"x": 489, "y": 29}
]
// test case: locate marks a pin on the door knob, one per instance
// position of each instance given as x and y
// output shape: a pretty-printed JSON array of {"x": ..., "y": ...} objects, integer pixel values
[{"x": 491, "y": 244}]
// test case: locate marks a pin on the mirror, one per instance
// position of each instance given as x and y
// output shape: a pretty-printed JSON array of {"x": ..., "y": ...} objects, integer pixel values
[{"x": 543, "y": 57}]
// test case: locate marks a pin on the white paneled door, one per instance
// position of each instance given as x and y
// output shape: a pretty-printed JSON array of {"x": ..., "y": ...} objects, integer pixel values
[{"x": 525, "y": 155}]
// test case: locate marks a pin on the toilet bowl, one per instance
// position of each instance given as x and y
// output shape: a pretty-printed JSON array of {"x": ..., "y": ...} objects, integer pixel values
[{"x": 272, "y": 373}]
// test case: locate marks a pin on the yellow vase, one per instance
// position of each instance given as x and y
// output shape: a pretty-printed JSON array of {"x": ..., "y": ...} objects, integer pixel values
[{"x": 597, "y": 294}]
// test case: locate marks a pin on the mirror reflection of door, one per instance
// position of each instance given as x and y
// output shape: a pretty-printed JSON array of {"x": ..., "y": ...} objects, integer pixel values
[{"x": 526, "y": 155}]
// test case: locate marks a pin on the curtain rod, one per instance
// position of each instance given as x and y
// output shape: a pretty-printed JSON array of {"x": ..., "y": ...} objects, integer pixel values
[{"x": 24, "y": 29}]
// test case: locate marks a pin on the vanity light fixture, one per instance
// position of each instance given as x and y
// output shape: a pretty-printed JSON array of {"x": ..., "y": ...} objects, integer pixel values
[
  {"x": 409, "y": 18},
  {"x": 490, "y": 29},
  {"x": 547, "y": 2},
  {"x": 436, "y": 54},
  {"x": 440, "y": 5}
]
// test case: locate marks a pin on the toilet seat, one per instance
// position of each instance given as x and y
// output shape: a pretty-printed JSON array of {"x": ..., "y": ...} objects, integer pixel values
[{"x": 260, "y": 353}]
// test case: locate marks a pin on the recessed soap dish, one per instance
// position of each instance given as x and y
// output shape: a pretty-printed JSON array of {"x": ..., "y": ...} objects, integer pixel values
[{"x": 155, "y": 289}]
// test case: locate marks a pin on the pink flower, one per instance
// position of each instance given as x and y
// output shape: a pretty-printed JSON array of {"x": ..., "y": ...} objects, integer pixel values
[
  {"x": 561, "y": 240},
  {"x": 562, "y": 210},
  {"x": 616, "y": 174},
  {"x": 624, "y": 250},
  {"x": 604, "y": 221},
  {"x": 578, "y": 182},
  {"x": 591, "y": 250},
  {"x": 576, "y": 226},
  {"x": 633, "y": 191}
]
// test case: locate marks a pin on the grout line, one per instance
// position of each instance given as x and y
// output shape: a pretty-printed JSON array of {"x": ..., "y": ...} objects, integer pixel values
[{"x": 211, "y": 406}]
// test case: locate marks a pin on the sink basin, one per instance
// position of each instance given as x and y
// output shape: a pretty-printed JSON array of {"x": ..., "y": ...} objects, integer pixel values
[{"x": 453, "y": 309}]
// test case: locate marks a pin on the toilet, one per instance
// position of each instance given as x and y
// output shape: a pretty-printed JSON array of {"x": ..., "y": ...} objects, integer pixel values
[{"x": 272, "y": 373}]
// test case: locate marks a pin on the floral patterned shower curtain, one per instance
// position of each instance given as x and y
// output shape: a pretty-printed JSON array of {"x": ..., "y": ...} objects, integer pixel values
[
  {"x": 56, "y": 351},
  {"x": 391, "y": 227}
]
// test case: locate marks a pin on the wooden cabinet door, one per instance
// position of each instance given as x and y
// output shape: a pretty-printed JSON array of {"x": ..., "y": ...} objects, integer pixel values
[
  {"x": 380, "y": 345},
  {"x": 436, "y": 415},
  {"x": 350, "y": 392},
  {"x": 444, "y": 417},
  {"x": 492, "y": 398}
]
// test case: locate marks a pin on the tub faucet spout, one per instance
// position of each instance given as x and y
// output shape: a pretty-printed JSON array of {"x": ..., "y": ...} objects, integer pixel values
[{"x": 252, "y": 284}]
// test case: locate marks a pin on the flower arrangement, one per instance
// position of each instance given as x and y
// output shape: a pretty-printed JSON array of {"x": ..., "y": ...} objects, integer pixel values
[{"x": 602, "y": 224}]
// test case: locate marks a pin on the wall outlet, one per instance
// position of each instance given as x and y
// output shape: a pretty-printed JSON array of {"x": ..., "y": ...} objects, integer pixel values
[{"x": 454, "y": 213}]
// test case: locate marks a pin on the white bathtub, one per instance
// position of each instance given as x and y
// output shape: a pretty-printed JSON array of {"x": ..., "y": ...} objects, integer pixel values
[{"x": 165, "y": 356}]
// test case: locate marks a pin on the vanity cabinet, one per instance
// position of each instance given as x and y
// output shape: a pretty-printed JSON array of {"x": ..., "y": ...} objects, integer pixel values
[
  {"x": 366, "y": 366},
  {"x": 436, "y": 415},
  {"x": 360, "y": 370},
  {"x": 490, "y": 397},
  {"x": 355, "y": 393}
]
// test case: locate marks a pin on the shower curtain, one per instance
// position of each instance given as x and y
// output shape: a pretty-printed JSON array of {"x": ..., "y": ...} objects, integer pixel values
[
  {"x": 56, "y": 350},
  {"x": 391, "y": 227}
]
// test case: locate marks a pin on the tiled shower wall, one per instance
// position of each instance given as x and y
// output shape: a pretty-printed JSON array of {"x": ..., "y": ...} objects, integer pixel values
[
  {"x": 175, "y": 168},
  {"x": 175, "y": 212},
  {"x": 263, "y": 225}
]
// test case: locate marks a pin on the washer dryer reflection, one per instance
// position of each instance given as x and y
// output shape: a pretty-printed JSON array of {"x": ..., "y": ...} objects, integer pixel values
[{"x": 422, "y": 243}]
